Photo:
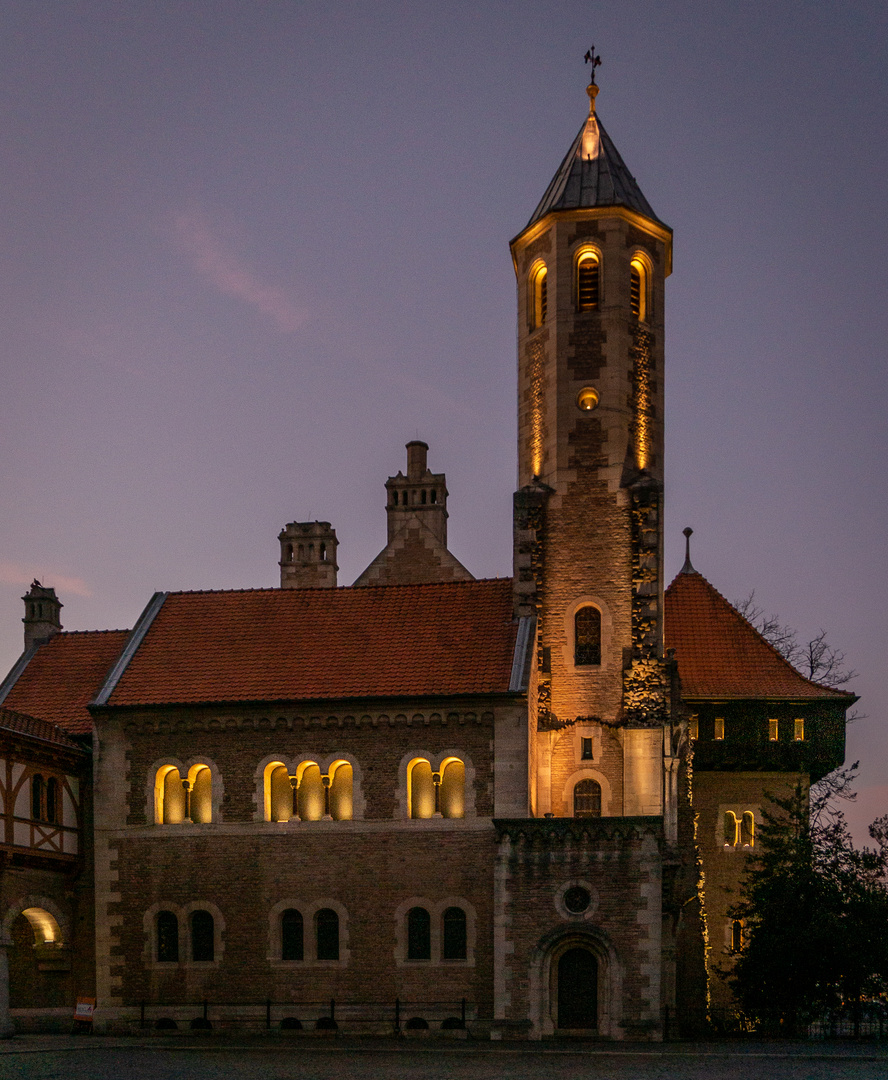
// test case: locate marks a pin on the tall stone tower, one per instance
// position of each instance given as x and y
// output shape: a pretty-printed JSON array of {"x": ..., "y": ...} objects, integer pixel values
[
  {"x": 591, "y": 265},
  {"x": 308, "y": 555},
  {"x": 43, "y": 611}
]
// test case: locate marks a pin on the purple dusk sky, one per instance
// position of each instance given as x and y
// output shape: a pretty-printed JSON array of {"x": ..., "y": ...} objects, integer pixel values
[{"x": 249, "y": 249}]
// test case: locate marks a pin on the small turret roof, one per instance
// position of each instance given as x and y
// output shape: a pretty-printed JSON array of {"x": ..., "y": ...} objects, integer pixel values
[{"x": 592, "y": 174}]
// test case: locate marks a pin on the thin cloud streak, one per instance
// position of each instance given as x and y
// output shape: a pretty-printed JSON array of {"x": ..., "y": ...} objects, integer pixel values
[
  {"x": 17, "y": 574},
  {"x": 230, "y": 276}
]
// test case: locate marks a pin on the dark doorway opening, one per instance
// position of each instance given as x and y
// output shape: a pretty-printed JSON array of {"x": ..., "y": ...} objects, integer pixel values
[{"x": 577, "y": 989}]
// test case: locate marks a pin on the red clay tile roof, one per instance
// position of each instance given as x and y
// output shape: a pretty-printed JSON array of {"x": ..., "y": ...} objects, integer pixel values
[
  {"x": 721, "y": 655},
  {"x": 303, "y": 644},
  {"x": 35, "y": 729},
  {"x": 63, "y": 675}
]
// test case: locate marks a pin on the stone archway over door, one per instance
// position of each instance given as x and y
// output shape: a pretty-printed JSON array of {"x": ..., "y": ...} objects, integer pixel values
[{"x": 577, "y": 989}]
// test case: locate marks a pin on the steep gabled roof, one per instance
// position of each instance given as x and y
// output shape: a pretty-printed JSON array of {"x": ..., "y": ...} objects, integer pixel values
[
  {"x": 720, "y": 655},
  {"x": 592, "y": 174},
  {"x": 35, "y": 728},
  {"x": 57, "y": 679},
  {"x": 310, "y": 644}
]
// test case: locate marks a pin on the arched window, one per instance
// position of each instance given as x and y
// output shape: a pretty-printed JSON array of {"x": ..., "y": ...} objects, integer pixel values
[
  {"x": 731, "y": 828},
  {"x": 452, "y": 792},
  {"x": 587, "y": 281},
  {"x": 747, "y": 828},
  {"x": 52, "y": 800},
  {"x": 434, "y": 496},
  {"x": 278, "y": 793},
  {"x": 310, "y": 795},
  {"x": 170, "y": 796},
  {"x": 292, "y": 947},
  {"x": 587, "y": 799},
  {"x": 587, "y": 636},
  {"x": 341, "y": 791},
  {"x": 736, "y": 935},
  {"x": 201, "y": 794},
  {"x": 419, "y": 934},
  {"x": 421, "y": 788},
  {"x": 289, "y": 552},
  {"x": 37, "y": 797},
  {"x": 453, "y": 938},
  {"x": 203, "y": 946},
  {"x": 327, "y": 934},
  {"x": 539, "y": 299},
  {"x": 167, "y": 926},
  {"x": 638, "y": 289}
]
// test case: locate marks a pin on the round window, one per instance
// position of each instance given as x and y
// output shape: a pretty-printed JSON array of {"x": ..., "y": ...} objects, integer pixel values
[
  {"x": 577, "y": 899},
  {"x": 587, "y": 399}
]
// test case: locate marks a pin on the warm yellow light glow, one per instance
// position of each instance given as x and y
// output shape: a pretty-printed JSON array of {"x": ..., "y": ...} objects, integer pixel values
[
  {"x": 46, "y": 929},
  {"x": 719, "y": 732},
  {"x": 587, "y": 398},
  {"x": 278, "y": 792},
  {"x": 731, "y": 828},
  {"x": 587, "y": 279},
  {"x": 421, "y": 789},
  {"x": 799, "y": 733},
  {"x": 539, "y": 295},
  {"x": 694, "y": 728},
  {"x": 341, "y": 784},
  {"x": 169, "y": 796},
  {"x": 452, "y": 794},
  {"x": 537, "y": 376},
  {"x": 638, "y": 288},
  {"x": 201, "y": 780},
  {"x": 311, "y": 791},
  {"x": 747, "y": 828},
  {"x": 773, "y": 733}
]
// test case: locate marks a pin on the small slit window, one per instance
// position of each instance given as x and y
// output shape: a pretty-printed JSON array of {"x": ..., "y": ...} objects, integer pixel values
[
  {"x": 587, "y": 281},
  {"x": 773, "y": 730},
  {"x": 638, "y": 289},
  {"x": 587, "y": 636},
  {"x": 719, "y": 728},
  {"x": 587, "y": 799},
  {"x": 37, "y": 797},
  {"x": 799, "y": 730},
  {"x": 694, "y": 728}
]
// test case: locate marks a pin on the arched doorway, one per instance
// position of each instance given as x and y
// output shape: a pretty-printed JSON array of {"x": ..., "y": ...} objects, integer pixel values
[
  {"x": 577, "y": 989},
  {"x": 35, "y": 981}
]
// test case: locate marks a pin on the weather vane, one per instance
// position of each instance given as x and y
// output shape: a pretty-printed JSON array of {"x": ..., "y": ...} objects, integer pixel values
[{"x": 594, "y": 59}]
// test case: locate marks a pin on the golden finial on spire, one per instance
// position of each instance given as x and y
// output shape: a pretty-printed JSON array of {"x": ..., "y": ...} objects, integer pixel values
[{"x": 594, "y": 59}]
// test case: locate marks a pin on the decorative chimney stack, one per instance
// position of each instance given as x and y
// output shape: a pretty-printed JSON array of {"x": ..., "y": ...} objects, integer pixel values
[
  {"x": 308, "y": 555},
  {"x": 420, "y": 493},
  {"x": 42, "y": 614}
]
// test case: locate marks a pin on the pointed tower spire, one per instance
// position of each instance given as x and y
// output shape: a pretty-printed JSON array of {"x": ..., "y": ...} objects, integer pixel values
[{"x": 688, "y": 567}]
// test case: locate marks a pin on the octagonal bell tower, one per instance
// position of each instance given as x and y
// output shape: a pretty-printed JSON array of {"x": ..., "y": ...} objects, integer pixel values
[{"x": 591, "y": 265}]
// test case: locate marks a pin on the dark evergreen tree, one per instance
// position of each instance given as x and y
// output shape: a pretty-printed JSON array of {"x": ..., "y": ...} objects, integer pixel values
[{"x": 815, "y": 913}]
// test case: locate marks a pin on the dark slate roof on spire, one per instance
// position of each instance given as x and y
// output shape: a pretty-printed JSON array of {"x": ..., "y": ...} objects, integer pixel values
[{"x": 592, "y": 174}]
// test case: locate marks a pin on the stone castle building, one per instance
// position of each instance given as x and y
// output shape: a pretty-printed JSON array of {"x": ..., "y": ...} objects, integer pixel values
[{"x": 515, "y": 806}]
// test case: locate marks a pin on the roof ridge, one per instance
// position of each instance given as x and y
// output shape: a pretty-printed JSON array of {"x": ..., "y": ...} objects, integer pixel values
[
  {"x": 71, "y": 633},
  {"x": 745, "y": 622},
  {"x": 338, "y": 589}
]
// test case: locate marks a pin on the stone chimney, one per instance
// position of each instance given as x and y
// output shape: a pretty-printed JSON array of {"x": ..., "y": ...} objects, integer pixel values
[
  {"x": 42, "y": 614},
  {"x": 420, "y": 492},
  {"x": 308, "y": 555}
]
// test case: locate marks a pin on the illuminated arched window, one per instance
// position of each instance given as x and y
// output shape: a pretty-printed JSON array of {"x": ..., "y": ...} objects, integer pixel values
[
  {"x": 422, "y": 789},
  {"x": 588, "y": 273},
  {"x": 587, "y": 799},
  {"x": 292, "y": 943},
  {"x": 453, "y": 938},
  {"x": 747, "y": 828},
  {"x": 310, "y": 796},
  {"x": 341, "y": 784},
  {"x": 278, "y": 793},
  {"x": 587, "y": 636},
  {"x": 419, "y": 934},
  {"x": 327, "y": 934},
  {"x": 638, "y": 289},
  {"x": 201, "y": 794},
  {"x": 203, "y": 932},
  {"x": 539, "y": 298},
  {"x": 731, "y": 829},
  {"x": 167, "y": 927},
  {"x": 176, "y": 801},
  {"x": 452, "y": 793}
]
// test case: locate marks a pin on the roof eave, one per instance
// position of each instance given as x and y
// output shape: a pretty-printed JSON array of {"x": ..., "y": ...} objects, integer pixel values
[{"x": 653, "y": 228}]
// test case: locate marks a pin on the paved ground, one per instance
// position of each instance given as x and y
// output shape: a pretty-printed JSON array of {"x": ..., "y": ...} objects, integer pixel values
[{"x": 53, "y": 1057}]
